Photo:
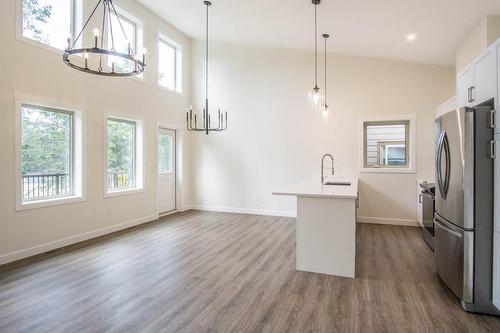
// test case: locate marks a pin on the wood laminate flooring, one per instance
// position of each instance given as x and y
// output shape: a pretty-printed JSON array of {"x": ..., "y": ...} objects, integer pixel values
[{"x": 220, "y": 272}]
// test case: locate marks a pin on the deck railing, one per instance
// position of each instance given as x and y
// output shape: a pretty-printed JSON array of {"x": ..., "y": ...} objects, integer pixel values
[
  {"x": 120, "y": 179},
  {"x": 39, "y": 186}
]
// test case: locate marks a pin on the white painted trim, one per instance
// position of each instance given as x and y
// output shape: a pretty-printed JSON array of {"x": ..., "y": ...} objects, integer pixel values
[
  {"x": 412, "y": 137},
  {"x": 79, "y": 151},
  {"x": 179, "y": 52},
  {"x": 387, "y": 220},
  {"x": 139, "y": 154},
  {"x": 250, "y": 211},
  {"x": 25, "y": 253}
]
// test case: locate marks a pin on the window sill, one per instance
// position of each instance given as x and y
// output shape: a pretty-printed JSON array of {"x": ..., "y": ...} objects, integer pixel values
[
  {"x": 116, "y": 193},
  {"x": 175, "y": 92},
  {"x": 387, "y": 170},
  {"x": 49, "y": 202}
]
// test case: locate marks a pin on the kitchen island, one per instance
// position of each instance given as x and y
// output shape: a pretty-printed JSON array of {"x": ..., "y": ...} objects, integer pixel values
[{"x": 326, "y": 225}]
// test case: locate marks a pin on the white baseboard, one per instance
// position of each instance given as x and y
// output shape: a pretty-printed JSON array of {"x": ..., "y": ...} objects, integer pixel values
[
  {"x": 283, "y": 213},
  {"x": 387, "y": 220},
  {"x": 21, "y": 254}
]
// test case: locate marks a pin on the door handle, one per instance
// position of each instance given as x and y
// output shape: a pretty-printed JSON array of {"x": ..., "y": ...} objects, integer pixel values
[
  {"x": 447, "y": 177},
  {"x": 439, "y": 176},
  {"x": 468, "y": 95},
  {"x": 493, "y": 149},
  {"x": 444, "y": 228},
  {"x": 420, "y": 198},
  {"x": 472, "y": 89},
  {"x": 492, "y": 119}
]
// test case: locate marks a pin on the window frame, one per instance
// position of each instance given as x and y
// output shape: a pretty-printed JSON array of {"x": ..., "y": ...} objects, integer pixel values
[
  {"x": 410, "y": 122},
  {"x": 138, "y": 158},
  {"x": 75, "y": 24},
  {"x": 124, "y": 14},
  {"x": 77, "y": 164},
  {"x": 162, "y": 38}
]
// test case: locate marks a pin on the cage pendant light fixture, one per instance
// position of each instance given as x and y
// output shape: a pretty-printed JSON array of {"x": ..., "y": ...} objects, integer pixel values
[
  {"x": 95, "y": 56},
  {"x": 315, "y": 94},
  {"x": 325, "y": 108},
  {"x": 192, "y": 119}
]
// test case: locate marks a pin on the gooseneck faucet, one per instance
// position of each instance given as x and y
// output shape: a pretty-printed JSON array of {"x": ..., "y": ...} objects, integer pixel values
[{"x": 322, "y": 166}]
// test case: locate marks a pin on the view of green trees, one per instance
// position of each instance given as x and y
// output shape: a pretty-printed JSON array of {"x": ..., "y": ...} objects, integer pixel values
[
  {"x": 121, "y": 151},
  {"x": 46, "y": 141},
  {"x": 34, "y": 13}
]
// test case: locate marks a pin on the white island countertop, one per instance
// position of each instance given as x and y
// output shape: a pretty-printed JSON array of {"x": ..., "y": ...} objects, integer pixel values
[{"x": 313, "y": 188}]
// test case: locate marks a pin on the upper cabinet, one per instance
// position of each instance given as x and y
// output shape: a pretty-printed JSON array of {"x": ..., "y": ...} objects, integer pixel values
[
  {"x": 465, "y": 82},
  {"x": 477, "y": 83}
]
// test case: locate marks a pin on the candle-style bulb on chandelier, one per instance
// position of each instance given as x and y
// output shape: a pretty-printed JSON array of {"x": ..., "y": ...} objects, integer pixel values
[
  {"x": 192, "y": 117},
  {"x": 315, "y": 98},
  {"x": 98, "y": 58}
]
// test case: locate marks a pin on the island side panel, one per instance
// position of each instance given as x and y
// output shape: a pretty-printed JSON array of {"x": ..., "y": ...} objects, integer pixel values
[{"x": 326, "y": 236}]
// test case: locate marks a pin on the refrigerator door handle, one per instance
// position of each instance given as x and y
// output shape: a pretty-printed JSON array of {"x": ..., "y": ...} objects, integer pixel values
[
  {"x": 444, "y": 228},
  {"x": 439, "y": 176},
  {"x": 446, "y": 146}
]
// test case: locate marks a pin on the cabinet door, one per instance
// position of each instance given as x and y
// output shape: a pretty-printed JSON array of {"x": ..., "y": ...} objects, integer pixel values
[
  {"x": 485, "y": 77},
  {"x": 465, "y": 80}
]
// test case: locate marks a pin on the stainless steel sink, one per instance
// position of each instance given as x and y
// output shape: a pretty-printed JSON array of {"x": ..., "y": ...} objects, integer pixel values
[{"x": 338, "y": 183}]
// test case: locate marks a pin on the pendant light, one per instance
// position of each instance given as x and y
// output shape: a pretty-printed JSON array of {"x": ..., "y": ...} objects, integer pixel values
[
  {"x": 325, "y": 109},
  {"x": 314, "y": 94},
  {"x": 95, "y": 55},
  {"x": 192, "y": 122}
]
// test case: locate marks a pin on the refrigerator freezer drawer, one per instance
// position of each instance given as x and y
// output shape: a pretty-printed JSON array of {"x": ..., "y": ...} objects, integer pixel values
[{"x": 454, "y": 262}]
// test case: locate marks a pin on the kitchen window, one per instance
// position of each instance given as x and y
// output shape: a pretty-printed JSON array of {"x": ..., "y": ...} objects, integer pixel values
[
  {"x": 388, "y": 145},
  {"x": 169, "y": 64},
  {"x": 48, "y": 23},
  {"x": 48, "y": 156},
  {"x": 123, "y": 155}
]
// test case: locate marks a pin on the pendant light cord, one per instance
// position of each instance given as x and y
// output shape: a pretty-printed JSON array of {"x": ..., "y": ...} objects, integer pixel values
[
  {"x": 315, "y": 45},
  {"x": 326, "y": 90},
  {"x": 206, "y": 58}
]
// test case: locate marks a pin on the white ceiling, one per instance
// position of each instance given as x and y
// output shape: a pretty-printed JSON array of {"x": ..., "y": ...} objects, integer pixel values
[{"x": 374, "y": 28}]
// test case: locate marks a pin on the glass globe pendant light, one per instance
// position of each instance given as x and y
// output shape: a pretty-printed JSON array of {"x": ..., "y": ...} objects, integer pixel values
[{"x": 315, "y": 98}]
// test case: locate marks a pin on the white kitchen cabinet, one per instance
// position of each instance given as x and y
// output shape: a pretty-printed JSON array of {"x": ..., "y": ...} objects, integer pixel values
[
  {"x": 485, "y": 77},
  {"x": 465, "y": 80}
]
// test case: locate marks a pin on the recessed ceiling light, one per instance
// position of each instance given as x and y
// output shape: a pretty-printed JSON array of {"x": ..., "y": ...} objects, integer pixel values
[{"x": 411, "y": 37}]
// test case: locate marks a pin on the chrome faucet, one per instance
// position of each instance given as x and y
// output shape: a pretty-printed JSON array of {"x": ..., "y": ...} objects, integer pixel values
[{"x": 322, "y": 166}]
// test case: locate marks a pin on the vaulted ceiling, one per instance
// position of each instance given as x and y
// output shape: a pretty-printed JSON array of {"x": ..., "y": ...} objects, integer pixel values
[{"x": 373, "y": 28}]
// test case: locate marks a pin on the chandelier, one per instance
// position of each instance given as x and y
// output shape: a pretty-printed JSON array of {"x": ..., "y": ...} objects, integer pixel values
[
  {"x": 192, "y": 119},
  {"x": 102, "y": 56},
  {"x": 314, "y": 95}
]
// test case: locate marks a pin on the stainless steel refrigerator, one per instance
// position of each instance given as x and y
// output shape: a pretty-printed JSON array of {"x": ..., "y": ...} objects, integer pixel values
[{"x": 463, "y": 219}]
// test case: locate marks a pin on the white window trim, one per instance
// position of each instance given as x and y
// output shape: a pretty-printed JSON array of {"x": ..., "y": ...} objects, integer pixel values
[
  {"x": 412, "y": 167},
  {"x": 139, "y": 155},
  {"x": 79, "y": 169},
  {"x": 139, "y": 38},
  {"x": 160, "y": 36},
  {"x": 76, "y": 23}
]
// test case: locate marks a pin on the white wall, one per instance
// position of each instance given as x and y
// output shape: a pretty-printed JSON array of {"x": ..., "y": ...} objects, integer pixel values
[
  {"x": 485, "y": 33},
  {"x": 274, "y": 140},
  {"x": 34, "y": 71}
]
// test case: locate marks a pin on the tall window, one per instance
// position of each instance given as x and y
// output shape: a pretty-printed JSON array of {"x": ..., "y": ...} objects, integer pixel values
[
  {"x": 169, "y": 65},
  {"x": 48, "y": 21},
  {"x": 120, "y": 43},
  {"x": 46, "y": 153},
  {"x": 124, "y": 155},
  {"x": 386, "y": 144}
]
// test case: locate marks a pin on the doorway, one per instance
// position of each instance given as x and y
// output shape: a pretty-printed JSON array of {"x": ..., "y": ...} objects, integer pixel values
[{"x": 166, "y": 169}]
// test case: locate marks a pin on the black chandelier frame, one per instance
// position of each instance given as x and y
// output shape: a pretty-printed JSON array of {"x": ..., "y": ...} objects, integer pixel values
[{"x": 108, "y": 10}]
